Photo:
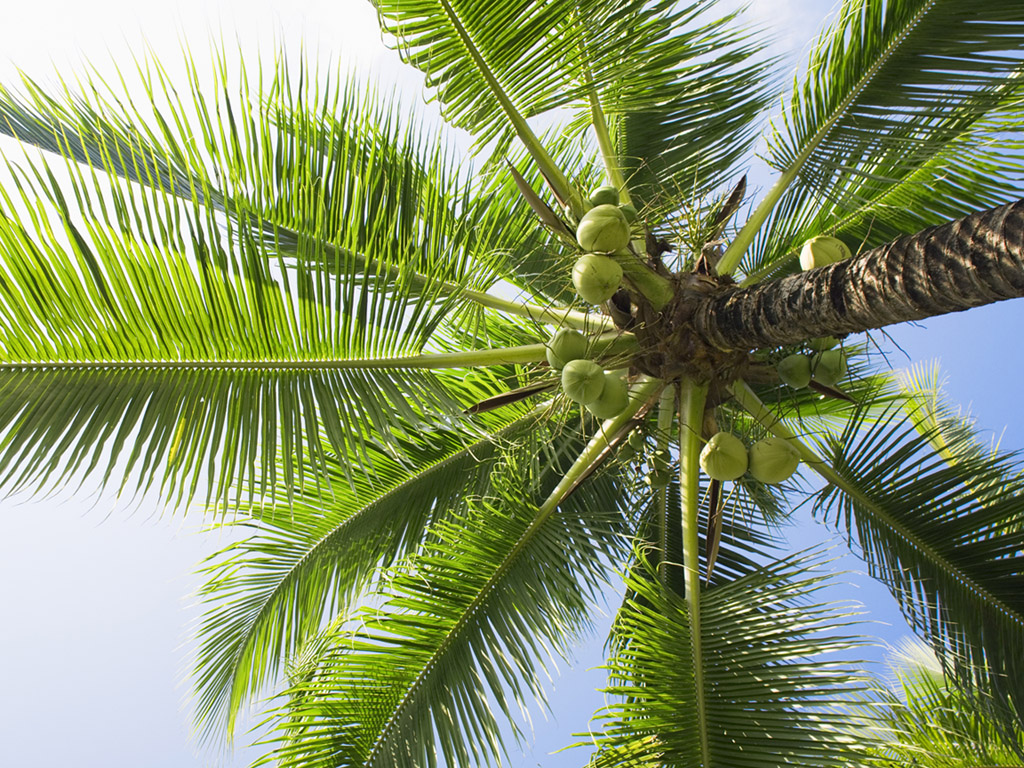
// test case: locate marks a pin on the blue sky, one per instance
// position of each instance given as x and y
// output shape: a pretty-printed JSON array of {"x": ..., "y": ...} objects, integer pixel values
[{"x": 96, "y": 610}]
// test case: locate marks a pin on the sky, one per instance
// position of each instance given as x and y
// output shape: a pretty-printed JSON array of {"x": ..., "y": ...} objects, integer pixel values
[{"x": 96, "y": 607}]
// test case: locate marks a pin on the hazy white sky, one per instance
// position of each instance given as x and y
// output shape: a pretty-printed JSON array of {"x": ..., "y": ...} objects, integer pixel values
[{"x": 94, "y": 608}]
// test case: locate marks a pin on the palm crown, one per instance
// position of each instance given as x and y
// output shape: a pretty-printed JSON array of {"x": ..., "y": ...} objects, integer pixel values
[{"x": 293, "y": 300}]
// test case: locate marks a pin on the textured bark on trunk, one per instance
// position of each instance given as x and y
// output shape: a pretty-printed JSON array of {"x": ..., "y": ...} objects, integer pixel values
[{"x": 967, "y": 263}]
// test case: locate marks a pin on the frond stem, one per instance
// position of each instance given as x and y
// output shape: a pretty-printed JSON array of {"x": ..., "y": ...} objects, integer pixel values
[
  {"x": 566, "y": 317},
  {"x": 666, "y": 416},
  {"x": 590, "y": 457},
  {"x": 612, "y": 343},
  {"x": 552, "y": 172},
  {"x": 692, "y": 398}
]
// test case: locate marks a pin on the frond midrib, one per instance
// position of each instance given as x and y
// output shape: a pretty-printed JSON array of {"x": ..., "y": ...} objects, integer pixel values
[{"x": 544, "y": 513}]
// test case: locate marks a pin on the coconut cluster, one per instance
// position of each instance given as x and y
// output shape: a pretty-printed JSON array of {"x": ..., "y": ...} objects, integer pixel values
[
  {"x": 771, "y": 460},
  {"x": 827, "y": 368},
  {"x": 604, "y": 393},
  {"x": 603, "y": 230}
]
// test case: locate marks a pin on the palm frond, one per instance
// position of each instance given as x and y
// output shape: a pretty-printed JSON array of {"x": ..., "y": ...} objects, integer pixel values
[
  {"x": 922, "y": 720},
  {"x": 686, "y": 114},
  {"x": 463, "y": 630},
  {"x": 269, "y": 595},
  {"x": 890, "y": 90},
  {"x": 941, "y": 528},
  {"x": 769, "y": 690},
  {"x": 222, "y": 297}
]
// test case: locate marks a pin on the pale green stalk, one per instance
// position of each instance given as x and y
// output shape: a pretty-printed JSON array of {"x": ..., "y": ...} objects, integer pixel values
[
  {"x": 656, "y": 289},
  {"x": 566, "y": 317},
  {"x": 692, "y": 398},
  {"x": 607, "y": 344},
  {"x": 604, "y": 141},
  {"x": 666, "y": 417},
  {"x": 551, "y": 171}
]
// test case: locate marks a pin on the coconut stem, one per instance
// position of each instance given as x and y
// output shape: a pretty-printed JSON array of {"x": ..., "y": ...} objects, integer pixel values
[
  {"x": 692, "y": 399},
  {"x": 656, "y": 289},
  {"x": 666, "y": 417}
]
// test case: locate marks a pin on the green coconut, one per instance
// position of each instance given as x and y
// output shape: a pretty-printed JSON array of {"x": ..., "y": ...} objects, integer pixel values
[
  {"x": 613, "y": 399},
  {"x": 637, "y": 440},
  {"x": 829, "y": 367},
  {"x": 795, "y": 371},
  {"x": 773, "y": 460},
  {"x": 822, "y": 343},
  {"x": 822, "y": 251},
  {"x": 567, "y": 344},
  {"x": 724, "y": 457},
  {"x": 596, "y": 277},
  {"x": 606, "y": 195},
  {"x": 659, "y": 478},
  {"x": 603, "y": 228},
  {"x": 629, "y": 212},
  {"x": 582, "y": 381}
]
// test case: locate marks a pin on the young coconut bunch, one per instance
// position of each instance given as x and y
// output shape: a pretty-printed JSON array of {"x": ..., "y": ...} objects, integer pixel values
[{"x": 430, "y": 466}]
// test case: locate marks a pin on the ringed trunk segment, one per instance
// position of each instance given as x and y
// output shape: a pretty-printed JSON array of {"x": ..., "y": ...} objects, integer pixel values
[{"x": 966, "y": 263}]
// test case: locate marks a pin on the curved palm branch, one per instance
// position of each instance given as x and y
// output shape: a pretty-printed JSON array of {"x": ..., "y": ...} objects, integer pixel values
[
  {"x": 313, "y": 559},
  {"x": 467, "y": 620},
  {"x": 889, "y": 87},
  {"x": 940, "y": 525},
  {"x": 766, "y": 699}
]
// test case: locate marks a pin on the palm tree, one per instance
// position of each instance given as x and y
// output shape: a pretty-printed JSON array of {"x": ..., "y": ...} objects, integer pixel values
[{"x": 289, "y": 298}]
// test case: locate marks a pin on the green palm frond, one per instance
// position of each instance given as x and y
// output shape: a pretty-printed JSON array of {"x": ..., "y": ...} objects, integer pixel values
[
  {"x": 889, "y": 87},
  {"x": 941, "y": 529},
  {"x": 975, "y": 170},
  {"x": 224, "y": 299},
  {"x": 657, "y": 70},
  {"x": 688, "y": 114},
  {"x": 462, "y": 631},
  {"x": 310, "y": 561},
  {"x": 924, "y": 721},
  {"x": 769, "y": 689}
]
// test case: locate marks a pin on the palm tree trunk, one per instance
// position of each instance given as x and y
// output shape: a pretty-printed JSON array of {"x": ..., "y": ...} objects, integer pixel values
[{"x": 967, "y": 263}]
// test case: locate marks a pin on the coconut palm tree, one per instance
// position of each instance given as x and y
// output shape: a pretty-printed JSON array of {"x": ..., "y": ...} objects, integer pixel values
[{"x": 287, "y": 297}]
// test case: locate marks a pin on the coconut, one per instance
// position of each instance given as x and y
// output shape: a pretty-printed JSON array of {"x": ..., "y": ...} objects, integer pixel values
[
  {"x": 603, "y": 228},
  {"x": 637, "y": 440},
  {"x": 567, "y": 344},
  {"x": 795, "y": 371},
  {"x": 613, "y": 399},
  {"x": 659, "y": 478},
  {"x": 582, "y": 381},
  {"x": 822, "y": 251},
  {"x": 724, "y": 457},
  {"x": 596, "y": 277},
  {"x": 822, "y": 343},
  {"x": 773, "y": 460},
  {"x": 629, "y": 212},
  {"x": 604, "y": 196},
  {"x": 829, "y": 367}
]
